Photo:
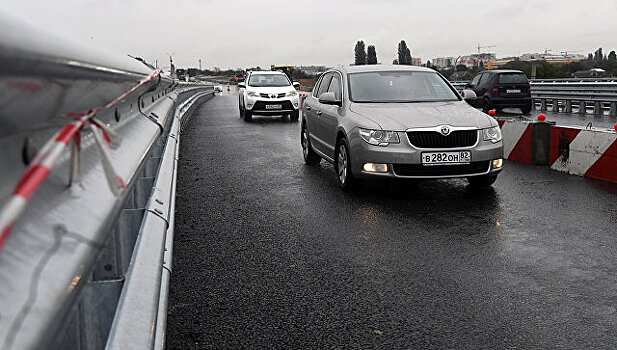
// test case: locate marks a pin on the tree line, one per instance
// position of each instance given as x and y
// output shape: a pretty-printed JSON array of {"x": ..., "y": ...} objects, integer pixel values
[{"x": 368, "y": 55}]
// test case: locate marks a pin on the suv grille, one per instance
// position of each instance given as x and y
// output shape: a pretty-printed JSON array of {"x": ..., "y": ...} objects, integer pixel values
[
  {"x": 268, "y": 95},
  {"x": 441, "y": 170},
  {"x": 434, "y": 139}
]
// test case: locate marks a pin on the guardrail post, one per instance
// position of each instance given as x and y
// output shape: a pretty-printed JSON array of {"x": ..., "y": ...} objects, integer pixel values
[
  {"x": 555, "y": 105},
  {"x": 582, "y": 108},
  {"x": 597, "y": 107},
  {"x": 533, "y": 103},
  {"x": 613, "y": 111},
  {"x": 568, "y": 106},
  {"x": 543, "y": 104}
]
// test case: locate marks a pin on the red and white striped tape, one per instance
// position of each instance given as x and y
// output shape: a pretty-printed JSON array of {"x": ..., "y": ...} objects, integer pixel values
[
  {"x": 44, "y": 162},
  {"x": 585, "y": 152}
]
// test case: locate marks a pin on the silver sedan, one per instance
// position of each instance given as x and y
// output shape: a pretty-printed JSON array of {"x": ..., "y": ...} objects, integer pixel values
[{"x": 401, "y": 122}]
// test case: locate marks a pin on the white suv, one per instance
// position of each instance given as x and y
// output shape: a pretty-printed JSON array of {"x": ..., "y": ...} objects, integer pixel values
[{"x": 268, "y": 93}]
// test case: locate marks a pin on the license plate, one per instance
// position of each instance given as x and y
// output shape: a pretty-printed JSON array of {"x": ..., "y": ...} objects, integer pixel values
[
  {"x": 441, "y": 158},
  {"x": 274, "y": 106},
  {"x": 513, "y": 91}
]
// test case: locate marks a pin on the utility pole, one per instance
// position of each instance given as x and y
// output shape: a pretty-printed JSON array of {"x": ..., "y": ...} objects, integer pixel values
[
  {"x": 156, "y": 64},
  {"x": 200, "y": 64}
]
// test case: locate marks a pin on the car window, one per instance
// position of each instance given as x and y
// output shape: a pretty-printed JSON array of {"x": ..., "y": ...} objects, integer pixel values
[
  {"x": 268, "y": 80},
  {"x": 512, "y": 78},
  {"x": 475, "y": 80},
  {"x": 399, "y": 86},
  {"x": 483, "y": 78},
  {"x": 325, "y": 83},
  {"x": 335, "y": 86}
]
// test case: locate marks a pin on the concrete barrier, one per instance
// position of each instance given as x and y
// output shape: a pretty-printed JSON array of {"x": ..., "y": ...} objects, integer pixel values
[
  {"x": 585, "y": 152},
  {"x": 525, "y": 141}
]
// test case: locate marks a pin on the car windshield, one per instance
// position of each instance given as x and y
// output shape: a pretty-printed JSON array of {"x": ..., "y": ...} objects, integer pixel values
[
  {"x": 268, "y": 80},
  {"x": 401, "y": 86},
  {"x": 512, "y": 78}
]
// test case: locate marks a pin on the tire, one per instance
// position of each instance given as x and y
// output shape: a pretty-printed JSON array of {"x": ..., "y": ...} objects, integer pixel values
[
  {"x": 293, "y": 117},
  {"x": 342, "y": 165},
  {"x": 310, "y": 156},
  {"x": 482, "y": 181},
  {"x": 248, "y": 116},
  {"x": 526, "y": 109},
  {"x": 486, "y": 105}
]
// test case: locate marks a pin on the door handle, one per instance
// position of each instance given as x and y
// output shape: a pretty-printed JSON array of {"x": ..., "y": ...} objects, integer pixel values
[
  {"x": 308, "y": 108},
  {"x": 318, "y": 112}
]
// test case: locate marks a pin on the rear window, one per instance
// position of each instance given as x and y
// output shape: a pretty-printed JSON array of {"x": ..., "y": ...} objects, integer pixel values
[{"x": 512, "y": 78}]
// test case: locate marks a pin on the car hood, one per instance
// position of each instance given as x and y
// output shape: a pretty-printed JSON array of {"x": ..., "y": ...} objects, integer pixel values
[
  {"x": 402, "y": 116},
  {"x": 270, "y": 89}
]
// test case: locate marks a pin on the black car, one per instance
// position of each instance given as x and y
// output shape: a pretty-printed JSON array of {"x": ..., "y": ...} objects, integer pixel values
[{"x": 501, "y": 88}]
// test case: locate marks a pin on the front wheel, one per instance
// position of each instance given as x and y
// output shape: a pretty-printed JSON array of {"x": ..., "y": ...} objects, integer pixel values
[
  {"x": 248, "y": 115},
  {"x": 310, "y": 156},
  {"x": 293, "y": 117},
  {"x": 342, "y": 165},
  {"x": 481, "y": 181}
]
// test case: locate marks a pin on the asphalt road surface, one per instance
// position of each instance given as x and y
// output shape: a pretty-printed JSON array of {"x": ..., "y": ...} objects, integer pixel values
[{"x": 269, "y": 253}]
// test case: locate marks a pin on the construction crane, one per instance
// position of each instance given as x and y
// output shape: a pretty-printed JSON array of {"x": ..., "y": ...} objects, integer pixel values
[{"x": 484, "y": 47}]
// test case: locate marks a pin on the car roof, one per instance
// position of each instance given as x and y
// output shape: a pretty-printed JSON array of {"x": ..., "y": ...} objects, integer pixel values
[
  {"x": 382, "y": 68},
  {"x": 266, "y": 72},
  {"x": 497, "y": 71}
]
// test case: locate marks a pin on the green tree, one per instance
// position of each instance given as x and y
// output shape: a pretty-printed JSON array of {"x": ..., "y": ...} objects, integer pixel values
[
  {"x": 598, "y": 55},
  {"x": 612, "y": 56},
  {"x": 404, "y": 54},
  {"x": 371, "y": 55},
  {"x": 360, "y": 53}
]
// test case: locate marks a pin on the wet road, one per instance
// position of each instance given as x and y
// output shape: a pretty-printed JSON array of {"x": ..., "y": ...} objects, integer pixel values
[{"x": 269, "y": 253}]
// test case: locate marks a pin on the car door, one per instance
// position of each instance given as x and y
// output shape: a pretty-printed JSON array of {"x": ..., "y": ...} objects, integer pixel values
[
  {"x": 482, "y": 87},
  {"x": 313, "y": 110},
  {"x": 329, "y": 118}
]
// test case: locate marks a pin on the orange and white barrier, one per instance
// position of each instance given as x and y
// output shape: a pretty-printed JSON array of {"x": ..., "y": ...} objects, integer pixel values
[
  {"x": 302, "y": 95},
  {"x": 516, "y": 137}
]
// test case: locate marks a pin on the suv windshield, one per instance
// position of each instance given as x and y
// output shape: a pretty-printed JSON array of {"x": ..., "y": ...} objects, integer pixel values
[
  {"x": 268, "y": 80},
  {"x": 402, "y": 86},
  {"x": 512, "y": 78}
]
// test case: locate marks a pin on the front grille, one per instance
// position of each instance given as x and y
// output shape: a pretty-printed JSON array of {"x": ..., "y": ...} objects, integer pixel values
[
  {"x": 441, "y": 170},
  {"x": 268, "y": 95},
  {"x": 434, "y": 139},
  {"x": 261, "y": 105}
]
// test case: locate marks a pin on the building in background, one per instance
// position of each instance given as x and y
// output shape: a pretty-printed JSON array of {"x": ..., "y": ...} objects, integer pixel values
[
  {"x": 443, "y": 62},
  {"x": 416, "y": 61}
]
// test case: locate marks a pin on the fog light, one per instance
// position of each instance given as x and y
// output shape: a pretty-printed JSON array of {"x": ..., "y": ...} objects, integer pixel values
[
  {"x": 249, "y": 106},
  {"x": 295, "y": 104},
  {"x": 497, "y": 163},
  {"x": 375, "y": 168}
]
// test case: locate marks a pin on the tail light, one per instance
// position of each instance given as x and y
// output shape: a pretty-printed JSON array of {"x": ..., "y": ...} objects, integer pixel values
[
  {"x": 529, "y": 90},
  {"x": 495, "y": 90}
]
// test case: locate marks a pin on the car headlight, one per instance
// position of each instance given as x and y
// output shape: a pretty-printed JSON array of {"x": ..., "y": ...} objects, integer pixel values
[
  {"x": 379, "y": 137},
  {"x": 291, "y": 93},
  {"x": 253, "y": 94},
  {"x": 492, "y": 134}
]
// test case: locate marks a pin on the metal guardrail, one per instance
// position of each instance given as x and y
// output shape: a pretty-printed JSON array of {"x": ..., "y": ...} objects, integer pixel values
[{"x": 64, "y": 266}]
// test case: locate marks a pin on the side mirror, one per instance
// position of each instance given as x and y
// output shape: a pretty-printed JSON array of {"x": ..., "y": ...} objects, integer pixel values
[
  {"x": 328, "y": 98},
  {"x": 296, "y": 84},
  {"x": 241, "y": 86},
  {"x": 468, "y": 95}
]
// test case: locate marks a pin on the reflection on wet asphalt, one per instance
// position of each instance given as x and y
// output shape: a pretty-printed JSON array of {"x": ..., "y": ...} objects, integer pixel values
[{"x": 269, "y": 253}]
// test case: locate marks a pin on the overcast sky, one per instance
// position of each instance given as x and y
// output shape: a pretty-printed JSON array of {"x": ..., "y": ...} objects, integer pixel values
[{"x": 231, "y": 33}]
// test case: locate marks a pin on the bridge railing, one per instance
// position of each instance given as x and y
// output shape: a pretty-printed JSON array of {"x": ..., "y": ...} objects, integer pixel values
[{"x": 101, "y": 203}]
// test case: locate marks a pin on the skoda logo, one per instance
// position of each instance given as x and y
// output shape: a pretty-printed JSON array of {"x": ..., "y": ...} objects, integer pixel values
[
  {"x": 272, "y": 95},
  {"x": 445, "y": 130}
]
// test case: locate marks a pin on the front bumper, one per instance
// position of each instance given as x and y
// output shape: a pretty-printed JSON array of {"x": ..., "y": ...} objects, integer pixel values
[
  {"x": 404, "y": 160},
  {"x": 258, "y": 105}
]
